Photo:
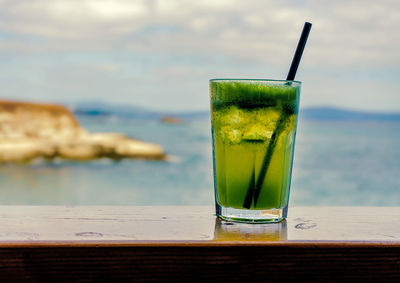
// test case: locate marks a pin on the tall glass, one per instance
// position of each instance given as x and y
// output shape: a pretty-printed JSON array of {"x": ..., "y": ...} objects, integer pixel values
[{"x": 253, "y": 128}]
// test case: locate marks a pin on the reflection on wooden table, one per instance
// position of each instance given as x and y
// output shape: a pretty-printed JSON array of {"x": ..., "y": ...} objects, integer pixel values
[{"x": 228, "y": 231}]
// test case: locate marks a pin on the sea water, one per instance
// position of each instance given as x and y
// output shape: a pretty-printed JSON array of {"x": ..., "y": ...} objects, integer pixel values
[{"x": 335, "y": 163}]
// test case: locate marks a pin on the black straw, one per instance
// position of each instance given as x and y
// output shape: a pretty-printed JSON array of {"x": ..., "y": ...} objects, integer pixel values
[
  {"x": 255, "y": 187},
  {"x": 299, "y": 51}
]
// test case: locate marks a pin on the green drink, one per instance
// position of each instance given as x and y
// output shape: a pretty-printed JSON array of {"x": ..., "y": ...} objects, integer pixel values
[{"x": 253, "y": 127}]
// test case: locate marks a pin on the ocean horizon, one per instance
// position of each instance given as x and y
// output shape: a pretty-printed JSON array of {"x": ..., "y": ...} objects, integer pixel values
[{"x": 309, "y": 113}]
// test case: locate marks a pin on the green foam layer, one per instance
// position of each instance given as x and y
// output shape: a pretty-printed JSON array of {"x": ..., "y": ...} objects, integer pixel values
[{"x": 251, "y": 94}]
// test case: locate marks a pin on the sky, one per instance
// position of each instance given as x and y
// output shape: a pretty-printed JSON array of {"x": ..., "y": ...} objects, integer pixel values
[{"x": 160, "y": 54}]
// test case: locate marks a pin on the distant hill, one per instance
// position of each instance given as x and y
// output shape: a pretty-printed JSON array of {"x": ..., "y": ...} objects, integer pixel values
[
  {"x": 97, "y": 109},
  {"x": 105, "y": 109},
  {"x": 101, "y": 109},
  {"x": 331, "y": 113}
]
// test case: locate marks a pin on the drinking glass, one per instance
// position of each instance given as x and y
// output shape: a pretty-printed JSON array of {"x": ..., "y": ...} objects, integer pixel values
[{"x": 253, "y": 125}]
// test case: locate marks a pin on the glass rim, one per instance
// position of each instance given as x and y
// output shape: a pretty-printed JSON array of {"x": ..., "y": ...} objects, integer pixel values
[{"x": 254, "y": 80}]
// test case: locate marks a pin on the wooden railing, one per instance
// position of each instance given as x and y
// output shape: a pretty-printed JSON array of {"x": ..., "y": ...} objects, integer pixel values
[{"x": 181, "y": 243}]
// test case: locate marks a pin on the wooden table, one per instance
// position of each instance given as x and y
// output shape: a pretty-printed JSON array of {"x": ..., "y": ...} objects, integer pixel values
[{"x": 182, "y": 243}]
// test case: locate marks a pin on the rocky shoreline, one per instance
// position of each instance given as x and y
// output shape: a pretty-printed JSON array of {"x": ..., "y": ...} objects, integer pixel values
[{"x": 30, "y": 131}]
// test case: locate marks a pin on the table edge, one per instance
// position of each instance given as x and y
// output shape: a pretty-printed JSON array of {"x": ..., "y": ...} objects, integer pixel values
[{"x": 200, "y": 244}]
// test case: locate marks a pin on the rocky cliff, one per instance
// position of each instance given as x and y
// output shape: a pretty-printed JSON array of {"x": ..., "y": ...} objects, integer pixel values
[{"x": 31, "y": 130}]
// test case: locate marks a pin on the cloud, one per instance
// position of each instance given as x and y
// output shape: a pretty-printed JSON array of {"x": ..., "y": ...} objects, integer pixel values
[
  {"x": 344, "y": 33},
  {"x": 75, "y": 19}
]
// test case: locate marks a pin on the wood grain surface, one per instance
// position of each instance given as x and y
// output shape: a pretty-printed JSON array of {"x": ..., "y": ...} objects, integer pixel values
[
  {"x": 34, "y": 224},
  {"x": 178, "y": 243}
]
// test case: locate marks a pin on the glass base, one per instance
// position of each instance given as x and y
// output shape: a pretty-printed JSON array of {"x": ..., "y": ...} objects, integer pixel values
[{"x": 251, "y": 216}]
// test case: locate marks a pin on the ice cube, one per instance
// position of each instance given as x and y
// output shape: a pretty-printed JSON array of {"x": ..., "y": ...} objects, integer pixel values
[
  {"x": 256, "y": 132},
  {"x": 233, "y": 116},
  {"x": 267, "y": 116}
]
